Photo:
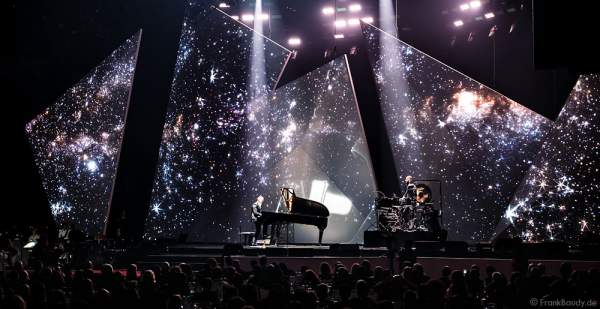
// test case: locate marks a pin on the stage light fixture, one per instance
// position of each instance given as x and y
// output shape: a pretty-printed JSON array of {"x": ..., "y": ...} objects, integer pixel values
[
  {"x": 328, "y": 10},
  {"x": 475, "y": 4},
  {"x": 493, "y": 31},
  {"x": 340, "y": 23},
  {"x": 353, "y": 22},
  {"x": 338, "y": 35},
  {"x": 367, "y": 19},
  {"x": 223, "y": 5},
  {"x": 453, "y": 41},
  {"x": 294, "y": 41},
  {"x": 489, "y": 15},
  {"x": 247, "y": 17},
  {"x": 235, "y": 17},
  {"x": 458, "y": 23},
  {"x": 355, "y": 7},
  {"x": 464, "y": 6}
]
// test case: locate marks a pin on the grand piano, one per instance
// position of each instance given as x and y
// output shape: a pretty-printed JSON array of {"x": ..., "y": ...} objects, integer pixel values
[{"x": 297, "y": 210}]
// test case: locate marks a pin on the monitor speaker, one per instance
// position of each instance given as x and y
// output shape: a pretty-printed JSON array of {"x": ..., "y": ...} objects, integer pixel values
[
  {"x": 233, "y": 249},
  {"x": 344, "y": 250},
  {"x": 374, "y": 239}
]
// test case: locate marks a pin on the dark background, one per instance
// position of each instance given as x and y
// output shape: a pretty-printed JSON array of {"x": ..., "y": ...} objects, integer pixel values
[{"x": 57, "y": 43}]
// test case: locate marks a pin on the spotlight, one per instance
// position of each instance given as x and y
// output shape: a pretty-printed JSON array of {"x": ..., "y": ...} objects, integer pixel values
[
  {"x": 464, "y": 6},
  {"x": 355, "y": 7},
  {"x": 353, "y": 22},
  {"x": 235, "y": 17},
  {"x": 489, "y": 15},
  {"x": 458, "y": 23},
  {"x": 328, "y": 10},
  {"x": 340, "y": 23},
  {"x": 338, "y": 35},
  {"x": 247, "y": 17},
  {"x": 475, "y": 4},
  {"x": 367, "y": 19},
  {"x": 223, "y": 5},
  {"x": 264, "y": 16},
  {"x": 294, "y": 41}
]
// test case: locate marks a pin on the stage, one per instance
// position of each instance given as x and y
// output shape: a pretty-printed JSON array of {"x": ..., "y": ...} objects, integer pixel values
[
  {"x": 432, "y": 255},
  {"x": 352, "y": 144}
]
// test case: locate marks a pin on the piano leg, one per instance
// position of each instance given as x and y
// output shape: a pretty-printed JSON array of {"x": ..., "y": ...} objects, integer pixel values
[
  {"x": 273, "y": 236},
  {"x": 320, "y": 235},
  {"x": 265, "y": 227},
  {"x": 257, "y": 234},
  {"x": 277, "y": 231}
]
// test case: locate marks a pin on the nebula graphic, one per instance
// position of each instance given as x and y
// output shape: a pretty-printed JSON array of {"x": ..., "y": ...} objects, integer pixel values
[
  {"x": 444, "y": 125},
  {"x": 77, "y": 140}
]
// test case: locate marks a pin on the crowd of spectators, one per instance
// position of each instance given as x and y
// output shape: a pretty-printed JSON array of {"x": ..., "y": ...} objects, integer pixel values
[{"x": 225, "y": 283}]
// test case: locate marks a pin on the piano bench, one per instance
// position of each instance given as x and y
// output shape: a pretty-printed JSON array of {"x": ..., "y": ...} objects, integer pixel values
[{"x": 246, "y": 238}]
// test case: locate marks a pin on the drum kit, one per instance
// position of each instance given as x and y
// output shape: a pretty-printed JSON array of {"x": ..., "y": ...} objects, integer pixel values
[{"x": 408, "y": 213}]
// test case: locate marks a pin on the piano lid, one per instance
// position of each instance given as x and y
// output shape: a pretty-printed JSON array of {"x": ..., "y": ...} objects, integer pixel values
[{"x": 300, "y": 205}]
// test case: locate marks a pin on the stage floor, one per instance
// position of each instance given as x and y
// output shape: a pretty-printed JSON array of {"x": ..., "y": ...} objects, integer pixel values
[{"x": 312, "y": 255}]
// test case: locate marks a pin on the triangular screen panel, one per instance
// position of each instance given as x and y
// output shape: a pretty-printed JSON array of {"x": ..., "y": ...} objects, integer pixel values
[
  {"x": 196, "y": 185},
  {"x": 309, "y": 136},
  {"x": 448, "y": 127},
  {"x": 77, "y": 141},
  {"x": 559, "y": 199}
]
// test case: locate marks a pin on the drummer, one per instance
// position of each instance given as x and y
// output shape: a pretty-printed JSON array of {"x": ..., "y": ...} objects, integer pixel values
[{"x": 411, "y": 189}]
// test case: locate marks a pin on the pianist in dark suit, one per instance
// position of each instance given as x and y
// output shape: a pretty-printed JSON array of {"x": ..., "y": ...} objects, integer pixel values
[{"x": 256, "y": 214}]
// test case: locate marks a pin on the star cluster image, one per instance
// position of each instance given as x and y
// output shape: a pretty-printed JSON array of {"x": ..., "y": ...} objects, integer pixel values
[
  {"x": 203, "y": 136},
  {"x": 309, "y": 137},
  {"x": 559, "y": 199},
  {"x": 76, "y": 141},
  {"x": 444, "y": 125}
]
